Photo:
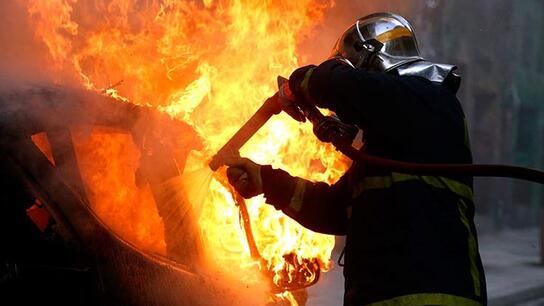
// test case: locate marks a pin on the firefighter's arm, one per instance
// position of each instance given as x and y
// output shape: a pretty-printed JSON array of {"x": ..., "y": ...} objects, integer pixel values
[
  {"x": 343, "y": 89},
  {"x": 317, "y": 206}
]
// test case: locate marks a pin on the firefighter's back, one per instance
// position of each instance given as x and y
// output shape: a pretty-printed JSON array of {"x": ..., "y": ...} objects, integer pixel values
[{"x": 411, "y": 238}]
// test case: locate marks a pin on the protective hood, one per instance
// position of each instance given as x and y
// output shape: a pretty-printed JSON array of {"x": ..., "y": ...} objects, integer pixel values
[{"x": 434, "y": 72}]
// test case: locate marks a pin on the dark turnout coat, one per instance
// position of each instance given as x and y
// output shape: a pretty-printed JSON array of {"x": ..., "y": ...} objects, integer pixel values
[{"x": 411, "y": 239}]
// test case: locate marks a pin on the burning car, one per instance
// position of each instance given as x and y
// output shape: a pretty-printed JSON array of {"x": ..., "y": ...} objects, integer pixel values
[{"x": 122, "y": 167}]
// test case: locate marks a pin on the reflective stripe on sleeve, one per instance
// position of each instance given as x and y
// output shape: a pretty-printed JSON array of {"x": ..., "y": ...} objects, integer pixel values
[
  {"x": 304, "y": 85},
  {"x": 472, "y": 248},
  {"x": 467, "y": 137},
  {"x": 383, "y": 182},
  {"x": 428, "y": 299},
  {"x": 295, "y": 204}
]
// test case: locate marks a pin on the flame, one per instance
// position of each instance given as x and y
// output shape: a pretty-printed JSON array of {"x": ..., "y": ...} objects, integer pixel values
[{"x": 211, "y": 64}]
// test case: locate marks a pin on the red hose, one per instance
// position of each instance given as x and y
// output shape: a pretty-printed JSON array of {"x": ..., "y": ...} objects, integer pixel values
[{"x": 444, "y": 169}]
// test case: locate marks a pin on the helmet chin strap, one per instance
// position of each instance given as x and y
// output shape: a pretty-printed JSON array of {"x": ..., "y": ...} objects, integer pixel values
[
  {"x": 368, "y": 48},
  {"x": 369, "y": 54}
]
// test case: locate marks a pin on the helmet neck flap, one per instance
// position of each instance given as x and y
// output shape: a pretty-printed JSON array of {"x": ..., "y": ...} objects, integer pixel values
[{"x": 386, "y": 42}]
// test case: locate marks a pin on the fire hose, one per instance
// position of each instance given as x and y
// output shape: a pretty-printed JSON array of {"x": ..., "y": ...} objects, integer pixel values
[
  {"x": 341, "y": 137},
  {"x": 331, "y": 130}
]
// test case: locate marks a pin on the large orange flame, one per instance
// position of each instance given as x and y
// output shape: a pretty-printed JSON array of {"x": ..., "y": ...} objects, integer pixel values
[{"x": 210, "y": 63}]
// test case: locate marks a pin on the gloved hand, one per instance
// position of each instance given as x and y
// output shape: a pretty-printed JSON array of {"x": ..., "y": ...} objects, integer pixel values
[
  {"x": 245, "y": 176},
  {"x": 299, "y": 85},
  {"x": 331, "y": 129},
  {"x": 288, "y": 101}
]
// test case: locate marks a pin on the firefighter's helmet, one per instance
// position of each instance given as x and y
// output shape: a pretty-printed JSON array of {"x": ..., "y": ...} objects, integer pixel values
[{"x": 381, "y": 41}]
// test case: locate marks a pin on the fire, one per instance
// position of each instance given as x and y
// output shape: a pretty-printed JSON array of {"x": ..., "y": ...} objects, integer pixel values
[{"x": 210, "y": 63}]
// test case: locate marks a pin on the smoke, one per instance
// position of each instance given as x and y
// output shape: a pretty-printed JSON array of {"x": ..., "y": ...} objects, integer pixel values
[{"x": 21, "y": 56}]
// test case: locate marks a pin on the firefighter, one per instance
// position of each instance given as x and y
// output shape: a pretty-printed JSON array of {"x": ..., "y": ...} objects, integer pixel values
[{"x": 411, "y": 239}]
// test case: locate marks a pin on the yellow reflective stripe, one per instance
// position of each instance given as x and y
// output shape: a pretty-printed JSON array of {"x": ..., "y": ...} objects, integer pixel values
[
  {"x": 401, "y": 177},
  {"x": 428, "y": 299},
  {"x": 298, "y": 196},
  {"x": 454, "y": 186},
  {"x": 371, "y": 182},
  {"x": 304, "y": 85},
  {"x": 397, "y": 32},
  {"x": 383, "y": 182},
  {"x": 467, "y": 137},
  {"x": 472, "y": 249}
]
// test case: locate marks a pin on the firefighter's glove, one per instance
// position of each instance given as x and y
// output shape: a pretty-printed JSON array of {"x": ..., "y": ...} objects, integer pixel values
[
  {"x": 299, "y": 82},
  {"x": 288, "y": 102},
  {"x": 330, "y": 129},
  {"x": 245, "y": 176}
]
